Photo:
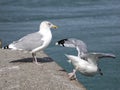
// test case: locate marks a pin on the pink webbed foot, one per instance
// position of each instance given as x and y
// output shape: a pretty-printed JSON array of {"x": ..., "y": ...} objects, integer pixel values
[{"x": 72, "y": 75}]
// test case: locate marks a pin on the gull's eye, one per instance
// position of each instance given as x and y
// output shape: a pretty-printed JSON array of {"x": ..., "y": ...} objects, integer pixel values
[{"x": 49, "y": 24}]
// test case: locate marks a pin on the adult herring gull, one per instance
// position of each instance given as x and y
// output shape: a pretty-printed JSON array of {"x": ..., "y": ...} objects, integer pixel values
[
  {"x": 86, "y": 63},
  {"x": 34, "y": 42}
]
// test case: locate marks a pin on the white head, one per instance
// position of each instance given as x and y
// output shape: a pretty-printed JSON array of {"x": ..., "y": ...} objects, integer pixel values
[{"x": 47, "y": 24}]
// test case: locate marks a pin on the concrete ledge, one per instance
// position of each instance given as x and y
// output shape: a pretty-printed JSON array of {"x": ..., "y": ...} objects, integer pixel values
[{"x": 17, "y": 72}]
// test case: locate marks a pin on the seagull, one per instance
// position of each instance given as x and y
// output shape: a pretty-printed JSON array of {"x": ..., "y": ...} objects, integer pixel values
[
  {"x": 34, "y": 42},
  {"x": 85, "y": 62}
]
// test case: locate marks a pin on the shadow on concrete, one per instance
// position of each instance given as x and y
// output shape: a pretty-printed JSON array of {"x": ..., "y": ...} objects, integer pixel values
[
  {"x": 27, "y": 60},
  {"x": 62, "y": 70}
]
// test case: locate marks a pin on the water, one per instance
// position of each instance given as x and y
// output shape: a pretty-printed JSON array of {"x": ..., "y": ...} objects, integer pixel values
[{"x": 96, "y": 22}]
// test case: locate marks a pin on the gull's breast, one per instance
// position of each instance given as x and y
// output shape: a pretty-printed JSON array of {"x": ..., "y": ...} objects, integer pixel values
[
  {"x": 46, "y": 41},
  {"x": 88, "y": 70}
]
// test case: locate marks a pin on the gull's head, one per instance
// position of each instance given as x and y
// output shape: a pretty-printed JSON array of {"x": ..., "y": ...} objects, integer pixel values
[{"x": 47, "y": 24}]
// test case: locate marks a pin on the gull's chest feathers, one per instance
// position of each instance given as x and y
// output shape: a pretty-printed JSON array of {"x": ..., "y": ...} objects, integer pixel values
[
  {"x": 88, "y": 69},
  {"x": 46, "y": 38}
]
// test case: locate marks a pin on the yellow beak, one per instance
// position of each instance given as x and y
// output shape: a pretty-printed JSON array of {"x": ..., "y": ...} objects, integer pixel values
[{"x": 54, "y": 26}]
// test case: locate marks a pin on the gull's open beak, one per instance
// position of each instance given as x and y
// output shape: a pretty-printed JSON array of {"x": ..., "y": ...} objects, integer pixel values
[{"x": 54, "y": 26}]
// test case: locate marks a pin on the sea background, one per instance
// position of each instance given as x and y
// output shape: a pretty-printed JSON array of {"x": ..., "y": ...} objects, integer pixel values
[{"x": 96, "y": 22}]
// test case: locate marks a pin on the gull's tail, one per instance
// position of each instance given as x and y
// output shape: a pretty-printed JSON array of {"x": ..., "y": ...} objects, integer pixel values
[{"x": 6, "y": 47}]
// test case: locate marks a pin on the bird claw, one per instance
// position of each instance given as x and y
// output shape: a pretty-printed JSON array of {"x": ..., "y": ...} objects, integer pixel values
[{"x": 72, "y": 76}]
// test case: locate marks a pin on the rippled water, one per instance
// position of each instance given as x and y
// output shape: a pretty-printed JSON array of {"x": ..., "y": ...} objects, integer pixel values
[{"x": 96, "y": 22}]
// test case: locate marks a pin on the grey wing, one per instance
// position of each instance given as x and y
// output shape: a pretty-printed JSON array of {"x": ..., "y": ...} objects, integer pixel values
[
  {"x": 94, "y": 57},
  {"x": 79, "y": 45},
  {"x": 103, "y": 55},
  {"x": 74, "y": 43},
  {"x": 29, "y": 42}
]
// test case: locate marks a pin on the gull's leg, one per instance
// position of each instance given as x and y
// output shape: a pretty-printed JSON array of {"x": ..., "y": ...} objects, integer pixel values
[
  {"x": 72, "y": 75},
  {"x": 34, "y": 58}
]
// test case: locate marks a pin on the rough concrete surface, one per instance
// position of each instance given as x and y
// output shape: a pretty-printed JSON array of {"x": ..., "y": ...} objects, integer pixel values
[{"x": 18, "y": 72}]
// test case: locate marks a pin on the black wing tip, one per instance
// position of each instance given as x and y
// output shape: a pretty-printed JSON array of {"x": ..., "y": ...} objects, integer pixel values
[
  {"x": 6, "y": 47},
  {"x": 111, "y": 56},
  {"x": 114, "y": 56},
  {"x": 61, "y": 42}
]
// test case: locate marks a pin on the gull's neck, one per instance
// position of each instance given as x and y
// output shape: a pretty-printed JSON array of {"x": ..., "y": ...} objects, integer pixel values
[{"x": 44, "y": 30}]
